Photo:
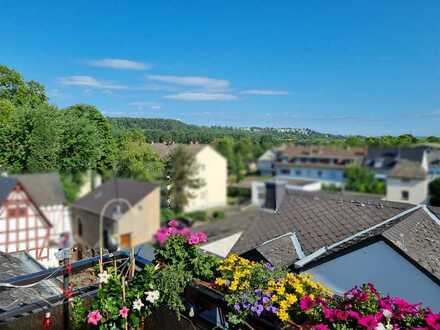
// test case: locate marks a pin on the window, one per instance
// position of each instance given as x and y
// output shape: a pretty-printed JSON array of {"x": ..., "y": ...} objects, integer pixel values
[
  {"x": 285, "y": 171},
  {"x": 404, "y": 180},
  {"x": 405, "y": 195},
  {"x": 17, "y": 212},
  {"x": 298, "y": 172},
  {"x": 80, "y": 227},
  {"x": 319, "y": 174}
]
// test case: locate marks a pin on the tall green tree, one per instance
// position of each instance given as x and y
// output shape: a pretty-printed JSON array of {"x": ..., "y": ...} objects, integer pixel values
[
  {"x": 181, "y": 171},
  {"x": 30, "y": 140},
  {"x": 137, "y": 159},
  {"x": 18, "y": 91},
  {"x": 107, "y": 147}
]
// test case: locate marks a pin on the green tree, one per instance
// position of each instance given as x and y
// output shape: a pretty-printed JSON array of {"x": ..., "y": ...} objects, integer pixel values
[
  {"x": 80, "y": 143},
  {"x": 362, "y": 179},
  {"x": 226, "y": 146},
  {"x": 30, "y": 140},
  {"x": 18, "y": 91},
  {"x": 107, "y": 148},
  {"x": 181, "y": 171},
  {"x": 434, "y": 192},
  {"x": 137, "y": 159}
]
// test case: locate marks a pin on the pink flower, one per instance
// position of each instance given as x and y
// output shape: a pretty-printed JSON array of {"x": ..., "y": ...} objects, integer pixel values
[
  {"x": 172, "y": 231},
  {"x": 369, "y": 322},
  {"x": 193, "y": 239},
  {"x": 341, "y": 315},
  {"x": 94, "y": 317},
  {"x": 433, "y": 320},
  {"x": 173, "y": 223},
  {"x": 123, "y": 312},
  {"x": 329, "y": 314},
  {"x": 306, "y": 303},
  {"x": 320, "y": 326},
  {"x": 202, "y": 237},
  {"x": 354, "y": 314}
]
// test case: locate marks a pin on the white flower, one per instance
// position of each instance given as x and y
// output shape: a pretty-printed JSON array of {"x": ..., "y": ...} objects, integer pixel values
[
  {"x": 152, "y": 296},
  {"x": 380, "y": 326},
  {"x": 387, "y": 313},
  {"x": 103, "y": 277},
  {"x": 137, "y": 304}
]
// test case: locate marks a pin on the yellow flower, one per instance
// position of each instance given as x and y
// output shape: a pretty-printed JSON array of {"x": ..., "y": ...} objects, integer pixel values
[
  {"x": 274, "y": 298},
  {"x": 291, "y": 298},
  {"x": 283, "y": 315},
  {"x": 284, "y": 304},
  {"x": 220, "y": 281}
]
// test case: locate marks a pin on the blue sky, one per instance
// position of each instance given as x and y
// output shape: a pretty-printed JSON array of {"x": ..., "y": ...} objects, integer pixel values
[{"x": 351, "y": 67}]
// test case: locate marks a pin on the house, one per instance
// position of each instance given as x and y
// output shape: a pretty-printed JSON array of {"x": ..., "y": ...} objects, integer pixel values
[
  {"x": 341, "y": 239},
  {"x": 326, "y": 164},
  {"x": 265, "y": 163},
  {"x": 212, "y": 171},
  {"x": 408, "y": 182},
  {"x": 131, "y": 214},
  {"x": 23, "y": 225}
]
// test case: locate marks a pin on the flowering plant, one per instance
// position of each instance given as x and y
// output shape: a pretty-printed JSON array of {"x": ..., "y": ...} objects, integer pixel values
[{"x": 173, "y": 228}]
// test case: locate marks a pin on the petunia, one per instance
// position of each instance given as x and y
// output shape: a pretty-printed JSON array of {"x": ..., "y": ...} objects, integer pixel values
[
  {"x": 152, "y": 296},
  {"x": 123, "y": 312},
  {"x": 173, "y": 223},
  {"x": 369, "y": 322},
  {"x": 433, "y": 320},
  {"x": 94, "y": 317},
  {"x": 320, "y": 327},
  {"x": 306, "y": 303}
]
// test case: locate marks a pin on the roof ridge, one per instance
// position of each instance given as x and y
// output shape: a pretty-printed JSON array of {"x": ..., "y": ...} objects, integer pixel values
[{"x": 431, "y": 214}]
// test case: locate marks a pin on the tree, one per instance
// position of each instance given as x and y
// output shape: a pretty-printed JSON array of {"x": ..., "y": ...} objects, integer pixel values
[
  {"x": 18, "y": 91},
  {"x": 30, "y": 140},
  {"x": 106, "y": 148},
  {"x": 434, "y": 192},
  {"x": 362, "y": 179},
  {"x": 182, "y": 172},
  {"x": 80, "y": 143},
  {"x": 137, "y": 159}
]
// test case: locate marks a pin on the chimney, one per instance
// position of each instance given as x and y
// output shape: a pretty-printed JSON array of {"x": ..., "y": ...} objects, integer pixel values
[{"x": 274, "y": 194}]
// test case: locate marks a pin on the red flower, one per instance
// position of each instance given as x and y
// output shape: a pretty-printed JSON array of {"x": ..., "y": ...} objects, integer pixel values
[{"x": 68, "y": 293}]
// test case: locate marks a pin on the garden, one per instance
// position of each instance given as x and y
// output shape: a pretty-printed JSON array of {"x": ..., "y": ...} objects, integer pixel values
[{"x": 252, "y": 292}]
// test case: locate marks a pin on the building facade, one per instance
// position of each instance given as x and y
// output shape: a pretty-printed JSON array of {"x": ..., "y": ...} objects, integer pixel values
[{"x": 23, "y": 226}]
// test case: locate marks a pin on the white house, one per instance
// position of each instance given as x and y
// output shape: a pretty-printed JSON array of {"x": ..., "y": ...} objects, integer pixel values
[{"x": 212, "y": 170}]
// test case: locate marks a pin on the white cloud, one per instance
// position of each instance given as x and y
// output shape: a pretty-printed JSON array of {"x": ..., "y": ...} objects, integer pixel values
[
  {"x": 88, "y": 81},
  {"x": 119, "y": 64},
  {"x": 192, "y": 81},
  {"x": 264, "y": 92},
  {"x": 142, "y": 105},
  {"x": 193, "y": 96}
]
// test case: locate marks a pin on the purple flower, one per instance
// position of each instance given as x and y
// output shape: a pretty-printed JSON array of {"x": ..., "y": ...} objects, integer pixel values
[
  {"x": 265, "y": 299},
  {"x": 237, "y": 307}
]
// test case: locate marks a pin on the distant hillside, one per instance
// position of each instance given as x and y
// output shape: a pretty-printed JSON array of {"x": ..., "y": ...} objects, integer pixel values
[{"x": 166, "y": 130}]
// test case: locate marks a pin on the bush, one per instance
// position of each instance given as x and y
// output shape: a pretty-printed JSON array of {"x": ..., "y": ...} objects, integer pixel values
[
  {"x": 218, "y": 215},
  {"x": 434, "y": 191},
  {"x": 331, "y": 187},
  {"x": 239, "y": 192},
  {"x": 198, "y": 215}
]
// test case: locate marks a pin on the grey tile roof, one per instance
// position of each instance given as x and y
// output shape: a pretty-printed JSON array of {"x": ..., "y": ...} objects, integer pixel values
[
  {"x": 6, "y": 186},
  {"x": 128, "y": 189},
  {"x": 408, "y": 170},
  {"x": 389, "y": 156},
  {"x": 279, "y": 252},
  {"x": 20, "y": 263},
  {"x": 45, "y": 189},
  {"x": 418, "y": 236}
]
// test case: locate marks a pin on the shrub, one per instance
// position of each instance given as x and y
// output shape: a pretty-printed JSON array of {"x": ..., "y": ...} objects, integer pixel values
[
  {"x": 198, "y": 215},
  {"x": 167, "y": 215}
]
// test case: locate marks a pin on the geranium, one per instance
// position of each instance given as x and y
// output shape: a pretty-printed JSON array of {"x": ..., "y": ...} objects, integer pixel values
[
  {"x": 94, "y": 317},
  {"x": 123, "y": 312},
  {"x": 138, "y": 304},
  {"x": 173, "y": 223}
]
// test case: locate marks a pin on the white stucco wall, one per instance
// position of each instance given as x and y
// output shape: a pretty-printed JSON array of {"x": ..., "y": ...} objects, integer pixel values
[
  {"x": 418, "y": 190},
  {"x": 385, "y": 268},
  {"x": 213, "y": 171}
]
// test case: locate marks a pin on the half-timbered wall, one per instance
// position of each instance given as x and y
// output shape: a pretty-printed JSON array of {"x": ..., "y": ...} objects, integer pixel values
[{"x": 22, "y": 228}]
